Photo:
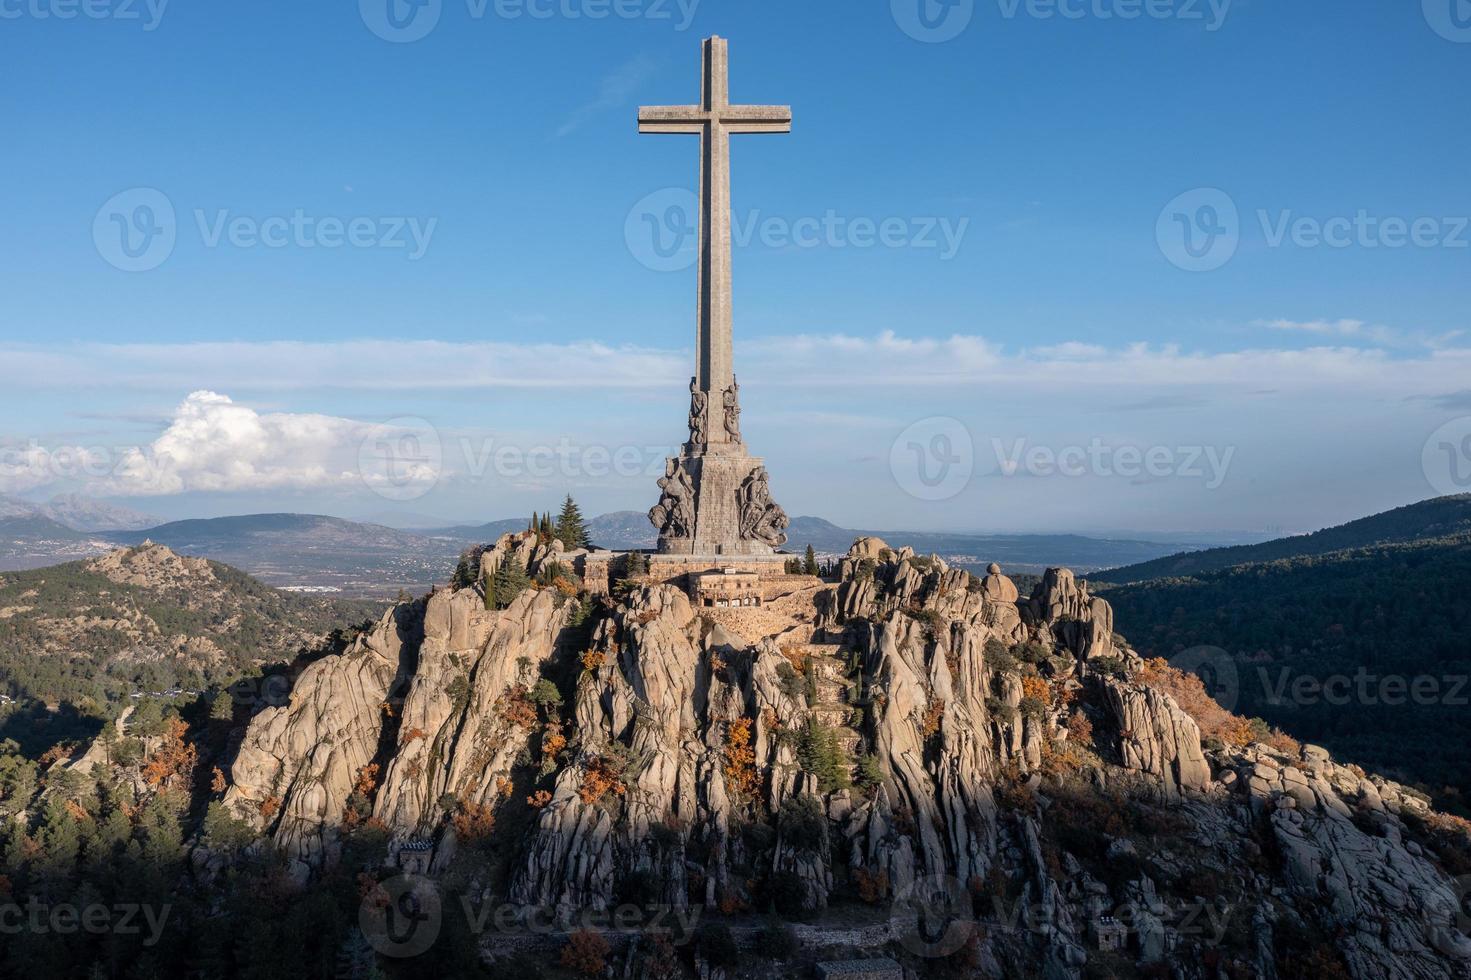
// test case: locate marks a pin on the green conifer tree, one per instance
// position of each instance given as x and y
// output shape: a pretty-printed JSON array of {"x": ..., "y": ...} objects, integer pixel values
[
  {"x": 488, "y": 584},
  {"x": 809, "y": 562},
  {"x": 510, "y": 581},
  {"x": 571, "y": 529}
]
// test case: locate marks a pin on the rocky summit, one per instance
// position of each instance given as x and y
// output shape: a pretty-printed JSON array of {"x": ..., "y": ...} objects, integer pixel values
[{"x": 915, "y": 763}]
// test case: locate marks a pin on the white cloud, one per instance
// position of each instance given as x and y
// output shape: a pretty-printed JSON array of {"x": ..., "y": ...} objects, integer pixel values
[
  {"x": 212, "y": 444},
  {"x": 808, "y": 360},
  {"x": 1366, "y": 332}
]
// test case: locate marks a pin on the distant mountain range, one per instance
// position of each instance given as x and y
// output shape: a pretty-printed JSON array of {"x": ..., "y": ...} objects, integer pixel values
[
  {"x": 1353, "y": 637},
  {"x": 364, "y": 559},
  {"x": 77, "y": 513}
]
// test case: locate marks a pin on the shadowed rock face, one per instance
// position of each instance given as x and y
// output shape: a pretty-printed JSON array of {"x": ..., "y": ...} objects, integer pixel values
[{"x": 959, "y": 697}]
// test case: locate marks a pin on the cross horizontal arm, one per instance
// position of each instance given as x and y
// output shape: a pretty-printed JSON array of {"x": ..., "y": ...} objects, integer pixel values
[
  {"x": 757, "y": 118},
  {"x": 671, "y": 119}
]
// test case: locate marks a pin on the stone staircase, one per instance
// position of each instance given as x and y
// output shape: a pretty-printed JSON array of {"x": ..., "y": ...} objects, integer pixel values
[{"x": 833, "y": 707}]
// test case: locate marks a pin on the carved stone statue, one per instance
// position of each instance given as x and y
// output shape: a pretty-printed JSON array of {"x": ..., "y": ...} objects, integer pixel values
[
  {"x": 761, "y": 519},
  {"x": 674, "y": 514},
  {"x": 733, "y": 411},
  {"x": 699, "y": 415}
]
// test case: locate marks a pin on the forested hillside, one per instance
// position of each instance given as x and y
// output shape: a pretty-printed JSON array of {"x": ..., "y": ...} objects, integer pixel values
[
  {"x": 80, "y": 639},
  {"x": 1364, "y": 650},
  {"x": 1441, "y": 517}
]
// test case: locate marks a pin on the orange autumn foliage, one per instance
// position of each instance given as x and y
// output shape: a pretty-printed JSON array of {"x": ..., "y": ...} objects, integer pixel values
[
  {"x": 586, "y": 953},
  {"x": 1035, "y": 687},
  {"x": 175, "y": 758},
  {"x": 473, "y": 821},
  {"x": 740, "y": 759},
  {"x": 600, "y": 780}
]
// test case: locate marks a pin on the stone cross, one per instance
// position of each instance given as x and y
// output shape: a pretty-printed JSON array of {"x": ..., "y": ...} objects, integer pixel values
[{"x": 714, "y": 120}]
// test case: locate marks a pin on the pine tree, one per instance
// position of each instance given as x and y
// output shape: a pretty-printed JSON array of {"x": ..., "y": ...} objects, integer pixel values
[
  {"x": 809, "y": 563},
  {"x": 488, "y": 583},
  {"x": 510, "y": 581},
  {"x": 222, "y": 708},
  {"x": 571, "y": 529}
]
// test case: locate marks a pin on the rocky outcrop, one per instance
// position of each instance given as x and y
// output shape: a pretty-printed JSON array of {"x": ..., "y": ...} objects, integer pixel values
[
  {"x": 1156, "y": 737},
  {"x": 298, "y": 763},
  {"x": 921, "y": 729},
  {"x": 1081, "y": 623}
]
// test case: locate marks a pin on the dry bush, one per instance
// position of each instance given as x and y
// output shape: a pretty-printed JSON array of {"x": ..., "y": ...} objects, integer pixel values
[
  {"x": 175, "y": 759},
  {"x": 1035, "y": 687},
  {"x": 1215, "y": 721},
  {"x": 873, "y": 886},
  {"x": 740, "y": 760},
  {"x": 797, "y": 656},
  {"x": 603, "y": 776},
  {"x": 933, "y": 713},
  {"x": 586, "y": 953},
  {"x": 473, "y": 821}
]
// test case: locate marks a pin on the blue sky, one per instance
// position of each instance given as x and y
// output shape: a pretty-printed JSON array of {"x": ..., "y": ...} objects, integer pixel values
[{"x": 1030, "y": 305}]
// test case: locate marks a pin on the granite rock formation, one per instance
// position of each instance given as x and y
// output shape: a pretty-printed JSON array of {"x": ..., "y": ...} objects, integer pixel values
[{"x": 919, "y": 726}]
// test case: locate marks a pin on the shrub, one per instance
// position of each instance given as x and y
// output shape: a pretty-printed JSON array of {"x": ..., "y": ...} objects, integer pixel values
[
  {"x": 778, "y": 941},
  {"x": 803, "y": 823},
  {"x": 717, "y": 945},
  {"x": 1031, "y": 652},
  {"x": 788, "y": 894},
  {"x": 1079, "y": 728},
  {"x": 740, "y": 760},
  {"x": 997, "y": 657},
  {"x": 586, "y": 953},
  {"x": 1001, "y": 711},
  {"x": 870, "y": 773}
]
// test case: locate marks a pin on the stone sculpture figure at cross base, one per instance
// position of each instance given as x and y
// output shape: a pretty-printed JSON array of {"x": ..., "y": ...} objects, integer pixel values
[{"x": 715, "y": 496}]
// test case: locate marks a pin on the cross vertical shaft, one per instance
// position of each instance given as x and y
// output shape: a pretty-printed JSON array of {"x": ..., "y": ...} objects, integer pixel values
[{"x": 714, "y": 120}]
